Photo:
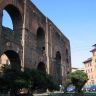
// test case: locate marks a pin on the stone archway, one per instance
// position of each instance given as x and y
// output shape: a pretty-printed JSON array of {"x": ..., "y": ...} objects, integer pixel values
[
  {"x": 41, "y": 67},
  {"x": 40, "y": 40},
  {"x": 16, "y": 18},
  {"x": 13, "y": 58},
  {"x": 58, "y": 70}
]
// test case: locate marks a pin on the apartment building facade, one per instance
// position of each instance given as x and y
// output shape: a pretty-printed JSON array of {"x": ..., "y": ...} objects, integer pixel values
[{"x": 90, "y": 68}]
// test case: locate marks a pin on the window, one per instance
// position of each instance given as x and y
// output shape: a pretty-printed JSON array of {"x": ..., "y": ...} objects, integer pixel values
[
  {"x": 67, "y": 60},
  {"x": 92, "y": 81},
  {"x": 92, "y": 77},
  {"x": 88, "y": 71},
  {"x": 90, "y": 63}
]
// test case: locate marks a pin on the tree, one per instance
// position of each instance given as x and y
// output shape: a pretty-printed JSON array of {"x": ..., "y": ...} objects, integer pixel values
[
  {"x": 67, "y": 83},
  {"x": 31, "y": 79},
  {"x": 78, "y": 79},
  {"x": 13, "y": 80},
  {"x": 42, "y": 81}
]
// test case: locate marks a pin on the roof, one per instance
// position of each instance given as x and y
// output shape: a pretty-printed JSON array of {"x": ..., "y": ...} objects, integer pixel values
[
  {"x": 94, "y": 45},
  {"x": 93, "y": 50},
  {"x": 74, "y": 68},
  {"x": 88, "y": 60}
]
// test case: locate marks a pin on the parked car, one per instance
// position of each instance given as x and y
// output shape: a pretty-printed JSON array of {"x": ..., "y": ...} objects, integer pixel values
[
  {"x": 92, "y": 88},
  {"x": 71, "y": 88}
]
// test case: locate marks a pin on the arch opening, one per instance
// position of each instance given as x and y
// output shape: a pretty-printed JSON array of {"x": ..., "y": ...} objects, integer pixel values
[
  {"x": 40, "y": 41},
  {"x": 58, "y": 74},
  {"x": 67, "y": 59},
  {"x": 41, "y": 67},
  {"x": 12, "y": 22},
  {"x": 12, "y": 59},
  {"x": 6, "y": 20}
]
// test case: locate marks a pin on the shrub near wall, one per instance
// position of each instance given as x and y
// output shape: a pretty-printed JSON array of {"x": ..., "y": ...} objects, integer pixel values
[
  {"x": 73, "y": 94},
  {"x": 4, "y": 95}
]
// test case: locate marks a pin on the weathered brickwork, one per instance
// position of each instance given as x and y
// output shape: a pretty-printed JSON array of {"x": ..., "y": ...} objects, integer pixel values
[{"x": 36, "y": 41}]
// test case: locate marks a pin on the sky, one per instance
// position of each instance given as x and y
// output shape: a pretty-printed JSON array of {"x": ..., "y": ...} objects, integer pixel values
[{"x": 77, "y": 21}]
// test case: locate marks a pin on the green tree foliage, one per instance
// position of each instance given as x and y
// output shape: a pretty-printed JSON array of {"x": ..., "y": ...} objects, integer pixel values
[
  {"x": 78, "y": 79},
  {"x": 30, "y": 79},
  {"x": 42, "y": 81},
  {"x": 8, "y": 79}
]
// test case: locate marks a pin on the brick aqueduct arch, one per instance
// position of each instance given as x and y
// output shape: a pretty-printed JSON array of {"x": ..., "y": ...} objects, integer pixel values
[{"x": 35, "y": 40}]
